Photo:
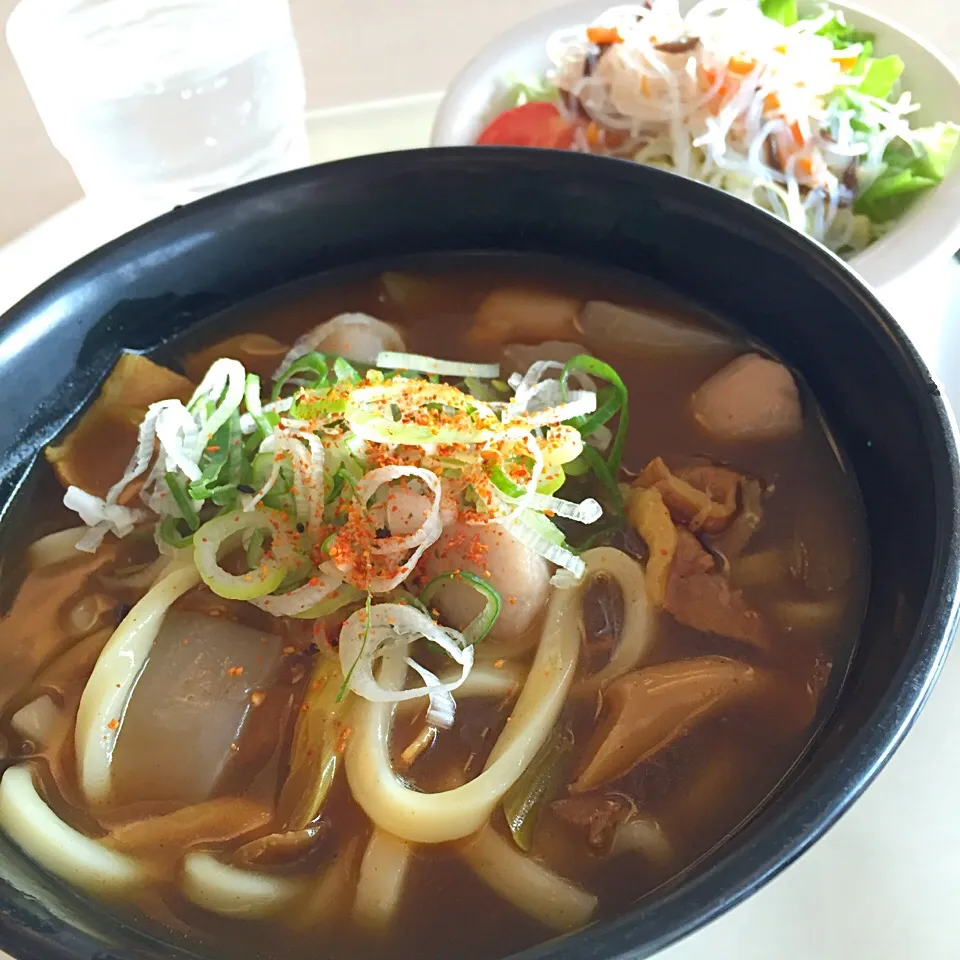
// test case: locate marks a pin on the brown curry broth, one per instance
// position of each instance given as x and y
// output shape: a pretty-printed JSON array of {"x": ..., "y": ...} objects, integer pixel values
[{"x": 699, "y": 788}]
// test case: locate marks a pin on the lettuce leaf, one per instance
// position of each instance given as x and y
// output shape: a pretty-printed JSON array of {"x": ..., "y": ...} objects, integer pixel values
[
  {"x": 880, "y": 76},
  {"x": 783, "y": 11},
  {"x": 842, "y": 35},
  {"x": 912, "y": 167},
  {"x": 528, "y": 90}
]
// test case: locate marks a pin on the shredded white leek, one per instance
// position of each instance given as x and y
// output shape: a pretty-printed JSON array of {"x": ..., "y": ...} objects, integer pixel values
[
  {"x": 390, "y": 360},
  {"x": 390, "y": 629}
]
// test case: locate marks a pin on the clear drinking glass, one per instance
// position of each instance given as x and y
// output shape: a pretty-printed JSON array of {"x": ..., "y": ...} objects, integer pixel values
[{"x": 164, "y": 101}]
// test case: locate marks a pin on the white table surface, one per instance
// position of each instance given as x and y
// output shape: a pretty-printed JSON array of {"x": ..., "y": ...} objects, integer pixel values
[{"x": 884, "y": 884}]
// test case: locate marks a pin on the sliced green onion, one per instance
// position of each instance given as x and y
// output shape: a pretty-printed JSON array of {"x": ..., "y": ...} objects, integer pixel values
[
  {"x": 178, "y": 490},
  {"x": 345, "y": 594},
  {"x": 543, "y": 527},
  {"x": 479, "y": 389},
  {"x": 315, "y": 363},
  {"x": 221, "y": 533},
  {"x": 312, "y": 406},
  {"x": 315, "y": 754},
  {"x": 608, "y": 404},
  {"x": 607, "y": 479},
  {"x": 328, "y": 543},
  {"x": 238, "y": 469},
  {"x": 577, "y": 467},
  {"x": 255, "y": 406},
  {"x": 225, "y": 496},
  {"x": 255, "y": 548},
  {"x": 345, "y": 686},
  {"x": 169, "y": 531},
  {"x": 503, "y": 483},
  {"x": 212, "y": 462},
  {"x": 483, "y": 623},
  {"x": 552, "y": 480},
  {"x": 263, "y": 467},
  {"x": 538, "y": 786},
  {"x": 345, "y": 371},
  {"x": 402, "y": 596},
  {"x": 586, "y": 425}
]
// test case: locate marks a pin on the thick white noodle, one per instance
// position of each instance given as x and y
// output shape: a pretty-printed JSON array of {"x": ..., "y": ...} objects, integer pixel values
[
  {"x": 639, "y": 621},
  {"x": 66, "y": 853},
  {"x": 528, "y": 885},
  {"x": 380, "y": 885},
  {"x": 232, "y": 892},
  {"x": 438, "y": 817}
]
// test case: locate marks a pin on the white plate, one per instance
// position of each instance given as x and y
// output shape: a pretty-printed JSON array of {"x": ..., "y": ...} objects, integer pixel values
[{"x": 930, "y": 228}]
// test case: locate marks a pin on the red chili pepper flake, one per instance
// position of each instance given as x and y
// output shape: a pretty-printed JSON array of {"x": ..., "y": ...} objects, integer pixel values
[
  {"x": 257, "y": 697},
  {"x": 113, "y": 724},
  {"x": 235, "y": 671}
]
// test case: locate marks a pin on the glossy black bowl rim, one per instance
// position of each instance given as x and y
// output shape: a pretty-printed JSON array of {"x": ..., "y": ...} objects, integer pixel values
[{"x": 787, "y": 832}]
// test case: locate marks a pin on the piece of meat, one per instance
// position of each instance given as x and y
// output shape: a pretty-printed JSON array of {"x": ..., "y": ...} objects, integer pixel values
[
  {"x": 649, "y": 709},
  {"x": 751, "y": 398},
  {"x": 699, "y": 596},
  {"x": 520, "y": 576},
  {"x": 701, "y": 497},
  {"x": 515, "y": 314},
  {"x": 96, "y": 452},
  {"x": 596, "y": 817}
]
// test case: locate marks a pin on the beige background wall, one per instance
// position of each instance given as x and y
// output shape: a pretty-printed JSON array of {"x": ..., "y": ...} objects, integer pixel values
[{"x": 353, "y": 50}]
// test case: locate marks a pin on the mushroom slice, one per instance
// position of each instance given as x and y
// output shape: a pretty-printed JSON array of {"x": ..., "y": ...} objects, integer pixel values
[{"x": 650, "y": 708}]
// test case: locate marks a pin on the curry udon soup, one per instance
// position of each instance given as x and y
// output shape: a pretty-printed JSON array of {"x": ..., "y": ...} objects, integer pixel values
[{"x": 437, "y": 628}]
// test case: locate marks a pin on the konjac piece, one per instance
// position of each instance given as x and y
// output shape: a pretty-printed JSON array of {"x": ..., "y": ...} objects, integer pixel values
[{"x": 192, "y": 704}]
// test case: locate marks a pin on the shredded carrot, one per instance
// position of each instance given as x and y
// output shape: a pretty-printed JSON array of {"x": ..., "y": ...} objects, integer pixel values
[
  {"x": 593, "y": 138},
  {"x": 600, "y": 35},
  {"x": 805, "y": 166},
  {"x": 846, "y": 64},
  {"x": 741, "y": 65},
  {"x": 797, "y": 134},
  {"x": 645, "y": 86},
  {"x": 771, "y": 103}
]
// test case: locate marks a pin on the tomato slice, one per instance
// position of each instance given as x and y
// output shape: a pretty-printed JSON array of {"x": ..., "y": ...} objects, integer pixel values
[{"x": 530, "y": 125}]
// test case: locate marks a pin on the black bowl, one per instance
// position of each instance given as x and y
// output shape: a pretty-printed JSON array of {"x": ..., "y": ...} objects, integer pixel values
[{"x": 161, "y": 280}]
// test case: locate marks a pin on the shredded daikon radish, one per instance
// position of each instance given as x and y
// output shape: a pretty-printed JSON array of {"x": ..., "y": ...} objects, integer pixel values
[{"x": 735, "y": 98}]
